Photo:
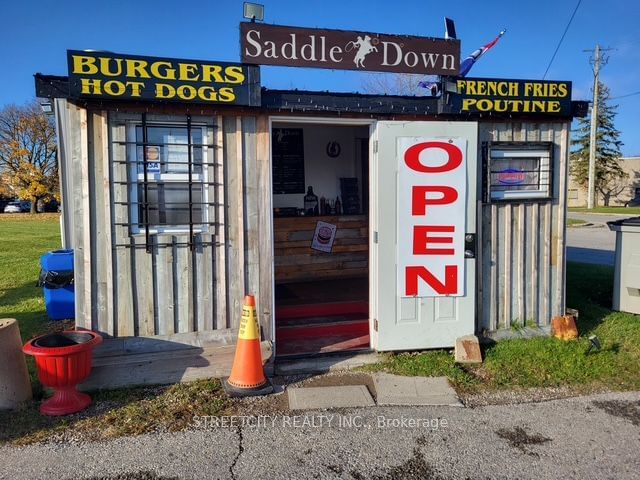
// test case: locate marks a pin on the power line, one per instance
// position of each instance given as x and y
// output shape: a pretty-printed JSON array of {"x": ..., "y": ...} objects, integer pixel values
[
  {"x": 561, "y": 39},
  {"x": 626, "y": 95}
]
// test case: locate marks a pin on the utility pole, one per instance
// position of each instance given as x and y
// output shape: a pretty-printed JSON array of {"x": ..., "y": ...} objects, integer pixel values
[
  {"x": 598, "y": 61},
  {"x": 591, "y": 193}
]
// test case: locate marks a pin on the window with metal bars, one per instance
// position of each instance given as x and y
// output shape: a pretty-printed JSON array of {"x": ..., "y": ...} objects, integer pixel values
[
  {"x": 169, "y": 187},
  {"x": 518, "y": 171}
]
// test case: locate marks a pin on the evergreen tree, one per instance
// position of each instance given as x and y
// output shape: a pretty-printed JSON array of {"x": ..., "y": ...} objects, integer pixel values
[{"x": 609, "y": 175}]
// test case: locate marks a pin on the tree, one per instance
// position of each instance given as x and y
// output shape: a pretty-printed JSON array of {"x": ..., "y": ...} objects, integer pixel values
[
  {"x": 6, "y": 190},
  {"x": 396, "y": 84},
  {"x": 609, "y": 175},
  {"x": 28, "y": 164}
]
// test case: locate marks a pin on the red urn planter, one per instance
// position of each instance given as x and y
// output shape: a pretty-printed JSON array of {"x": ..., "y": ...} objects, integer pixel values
[{"x": 63, "y": 361}]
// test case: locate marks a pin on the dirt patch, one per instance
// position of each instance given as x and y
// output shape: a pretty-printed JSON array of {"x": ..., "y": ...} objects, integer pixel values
[
  {"x": 340, "y": 379},
  {"x": 256, "y": 406},
  {"x": 520, "y": 439},
  {"x": 58, "y": 326},
  {"x": 525, "y": 395},
  {"x": 335, "y": 469},
  {"x": 414, "y": 468},
  {"x": 118, "y": 413},
  {"x": 629, "y": 410}
]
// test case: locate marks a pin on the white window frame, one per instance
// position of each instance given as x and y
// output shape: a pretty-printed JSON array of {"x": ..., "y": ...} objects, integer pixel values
[
  {"x": 137, "y": 178},
  {"x": 501, "y": 151}
]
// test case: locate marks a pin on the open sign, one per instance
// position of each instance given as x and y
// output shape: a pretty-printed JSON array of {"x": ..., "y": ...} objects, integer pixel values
[
  {"x": 511, "y": 176},
  {"x": 432, "y": 181}
]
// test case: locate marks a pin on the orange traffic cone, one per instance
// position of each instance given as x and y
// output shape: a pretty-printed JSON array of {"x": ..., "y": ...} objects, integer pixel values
[{"x": 247, "y": 375}]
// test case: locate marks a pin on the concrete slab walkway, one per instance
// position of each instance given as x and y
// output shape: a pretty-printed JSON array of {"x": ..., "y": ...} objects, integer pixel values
[
  {"x": 389, "y": 390},
  {"x": 399, "y": 390},
  {"x": 311, "y": 398}
]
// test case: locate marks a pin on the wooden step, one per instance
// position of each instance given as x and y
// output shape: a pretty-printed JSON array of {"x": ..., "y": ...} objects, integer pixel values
[
  {"x": 318, "y": 345},
  {"x": 353, "y": 328},
  {"x": 321, "y": 309}
]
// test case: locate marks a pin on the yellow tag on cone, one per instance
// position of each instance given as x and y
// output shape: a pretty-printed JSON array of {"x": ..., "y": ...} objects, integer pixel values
[{"x": 249, "y": 327}]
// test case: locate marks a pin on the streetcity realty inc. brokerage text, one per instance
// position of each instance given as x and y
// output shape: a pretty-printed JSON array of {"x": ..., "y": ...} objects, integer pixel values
[{"x": 319, "y": 421}]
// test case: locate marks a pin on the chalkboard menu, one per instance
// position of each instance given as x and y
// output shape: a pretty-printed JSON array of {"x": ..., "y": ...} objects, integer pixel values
[{"x": 288, "y": 160}]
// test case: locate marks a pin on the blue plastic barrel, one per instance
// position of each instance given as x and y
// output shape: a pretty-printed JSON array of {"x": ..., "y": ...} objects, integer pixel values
[{"x": 56, "y": 278}]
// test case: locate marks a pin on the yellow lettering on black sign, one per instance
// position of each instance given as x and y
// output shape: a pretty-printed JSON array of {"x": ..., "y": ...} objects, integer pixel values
[
  {"x": 509, "y": 96},
  {"x": 125, "y": 77}
]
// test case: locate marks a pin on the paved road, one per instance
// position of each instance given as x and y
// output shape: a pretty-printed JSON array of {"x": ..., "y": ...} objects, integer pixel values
[
  {"x": 596, "y": 217},
  {"x": 592, "y": 244},
  {"x": 584, "y": 438}
]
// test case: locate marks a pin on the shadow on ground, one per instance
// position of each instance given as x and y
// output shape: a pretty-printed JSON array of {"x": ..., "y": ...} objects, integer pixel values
[{"x": 590, "y": 255}]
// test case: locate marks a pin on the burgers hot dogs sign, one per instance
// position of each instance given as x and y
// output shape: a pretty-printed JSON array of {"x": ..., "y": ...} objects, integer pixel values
[{"x": 432, "y": 186}]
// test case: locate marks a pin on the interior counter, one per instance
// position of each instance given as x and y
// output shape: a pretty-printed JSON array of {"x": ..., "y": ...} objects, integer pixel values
[{"x": 296, "y": 261}]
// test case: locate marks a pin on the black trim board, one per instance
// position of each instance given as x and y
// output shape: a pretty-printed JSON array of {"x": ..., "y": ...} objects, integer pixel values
[{"x": 301, "y": 101}]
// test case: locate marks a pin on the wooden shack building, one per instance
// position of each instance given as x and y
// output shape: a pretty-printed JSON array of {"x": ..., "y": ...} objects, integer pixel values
[{"x": 176, "y": 207}]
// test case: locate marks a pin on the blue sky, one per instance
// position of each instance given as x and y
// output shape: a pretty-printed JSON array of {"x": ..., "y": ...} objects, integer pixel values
[{"x": 36, "y": 35}]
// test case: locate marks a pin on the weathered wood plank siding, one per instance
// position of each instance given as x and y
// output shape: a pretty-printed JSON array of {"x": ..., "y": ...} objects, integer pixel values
[
  {"x": 100, "y": 231},
  {"x": 173, "y": 292},
  {"x": 168, "y": 289},
  {"x": 522, "y": 255},
  {"x": 81, "y": 211},
  {"x": 62, "y": 108},
  {"x": 234, "y": 213}
]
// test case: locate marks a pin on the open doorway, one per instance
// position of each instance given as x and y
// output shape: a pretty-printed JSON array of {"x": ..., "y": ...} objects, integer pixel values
[{"x": 320, "y": 188}]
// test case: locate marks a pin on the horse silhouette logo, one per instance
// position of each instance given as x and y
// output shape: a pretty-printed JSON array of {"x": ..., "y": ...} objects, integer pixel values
[{"x": 365, "y": 46}]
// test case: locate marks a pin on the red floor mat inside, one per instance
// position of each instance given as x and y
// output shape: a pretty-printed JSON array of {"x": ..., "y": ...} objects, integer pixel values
[{"x": 322, "y": 328}]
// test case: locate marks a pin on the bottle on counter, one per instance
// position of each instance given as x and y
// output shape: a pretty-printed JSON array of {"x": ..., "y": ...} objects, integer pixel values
[
  {"x": 323, "y": 205},
  {"x": 310, "y": 202},
  {"x": 338, "y": 206}
]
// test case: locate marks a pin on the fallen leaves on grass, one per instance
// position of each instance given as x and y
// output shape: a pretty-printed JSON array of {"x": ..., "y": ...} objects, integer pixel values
[{"x": 118, "y": 413}]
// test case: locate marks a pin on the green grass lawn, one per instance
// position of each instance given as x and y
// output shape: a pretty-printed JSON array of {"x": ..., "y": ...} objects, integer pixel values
[
  {"x": 631, "y": 211},
  {"x": 573, "y": 222},
  {"x": 23, "y": 239},
  {"x": 545, "y": 361}
]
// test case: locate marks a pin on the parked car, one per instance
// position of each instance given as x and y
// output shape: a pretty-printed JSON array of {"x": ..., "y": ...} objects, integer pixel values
[
  {"x": 48, "y": 205},
  {"x": 633, "y": 203},
  {"x": 18, "y": 207}
]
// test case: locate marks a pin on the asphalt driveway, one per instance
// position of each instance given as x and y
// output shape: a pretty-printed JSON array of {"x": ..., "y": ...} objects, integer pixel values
[
  {"x": 592, "y": 244},
  {"x": 591, "y": 437}
]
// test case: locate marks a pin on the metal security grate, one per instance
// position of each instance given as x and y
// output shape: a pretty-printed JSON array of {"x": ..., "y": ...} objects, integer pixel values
[
  {"x": 518, "y": 171},
  {"x": 171, "y": 185}
]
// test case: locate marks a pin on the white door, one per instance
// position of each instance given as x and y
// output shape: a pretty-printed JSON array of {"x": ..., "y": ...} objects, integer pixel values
[{"x": 423, "y": 222}]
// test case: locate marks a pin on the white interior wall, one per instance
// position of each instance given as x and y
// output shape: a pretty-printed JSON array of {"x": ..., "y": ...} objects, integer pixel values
[{"x": 321, "y": 171}]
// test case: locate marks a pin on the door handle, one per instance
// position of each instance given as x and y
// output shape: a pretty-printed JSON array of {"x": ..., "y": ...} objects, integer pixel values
[{"x": 470, "y": 245}]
